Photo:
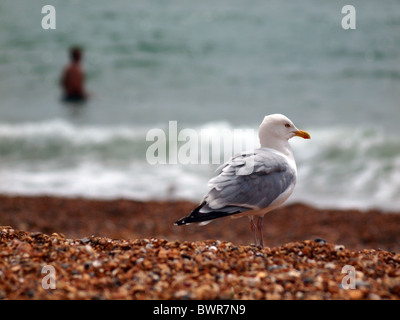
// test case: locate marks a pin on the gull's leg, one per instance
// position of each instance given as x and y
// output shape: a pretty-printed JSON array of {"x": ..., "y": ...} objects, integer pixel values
[
  {"x": 253, "y": 229},
  {"x": 260, "y": 231}
]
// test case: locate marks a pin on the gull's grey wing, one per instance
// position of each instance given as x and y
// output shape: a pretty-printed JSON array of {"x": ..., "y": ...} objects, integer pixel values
[
  {"x": 252, "y": 180},
  {"x": 247, "y": 181}
]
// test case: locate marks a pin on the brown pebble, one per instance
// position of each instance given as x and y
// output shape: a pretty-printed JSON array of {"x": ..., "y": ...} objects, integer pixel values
[{"x": 355, "y": 294}]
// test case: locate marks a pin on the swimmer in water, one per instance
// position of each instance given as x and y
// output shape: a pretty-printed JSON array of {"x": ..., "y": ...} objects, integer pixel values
[{"x": 73, "y": 78}]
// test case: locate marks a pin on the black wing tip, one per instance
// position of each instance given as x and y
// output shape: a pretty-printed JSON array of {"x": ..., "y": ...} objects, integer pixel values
[
  {"x": 197, "y": 216},
  {"x": 180, "y": 222},
  {"x": 190, "y": 217}
]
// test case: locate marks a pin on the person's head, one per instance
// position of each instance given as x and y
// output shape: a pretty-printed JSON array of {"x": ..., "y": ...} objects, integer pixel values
[{"x": 75, "y": 54}]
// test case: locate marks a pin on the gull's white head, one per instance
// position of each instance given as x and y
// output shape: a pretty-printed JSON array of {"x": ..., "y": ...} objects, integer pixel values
[{"x": 276, "y": 130}]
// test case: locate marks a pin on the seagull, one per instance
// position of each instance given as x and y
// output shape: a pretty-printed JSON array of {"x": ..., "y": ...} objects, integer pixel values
[{"x": 253, "y": 183}]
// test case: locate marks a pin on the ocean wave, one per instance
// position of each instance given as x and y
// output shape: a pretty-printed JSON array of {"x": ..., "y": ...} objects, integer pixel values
[
  {"x": 58, "y": 139},
  {"x": 357, "y": 167},
  {"x": 339, "y": 167},
  {"x": 63, "y": 129}
]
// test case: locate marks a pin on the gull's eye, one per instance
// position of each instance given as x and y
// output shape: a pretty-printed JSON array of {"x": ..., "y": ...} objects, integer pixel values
[{"x": 287, "y": 125}]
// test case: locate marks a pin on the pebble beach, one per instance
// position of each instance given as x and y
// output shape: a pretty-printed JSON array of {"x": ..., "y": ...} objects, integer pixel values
[{"x": 124, "y": 249}]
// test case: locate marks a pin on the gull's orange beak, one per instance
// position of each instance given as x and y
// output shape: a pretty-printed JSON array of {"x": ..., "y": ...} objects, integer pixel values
[{"x": 302, "y": 134}]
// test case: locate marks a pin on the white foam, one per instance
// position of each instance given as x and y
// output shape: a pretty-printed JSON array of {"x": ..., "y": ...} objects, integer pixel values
[{"x": 58, "y": 128}]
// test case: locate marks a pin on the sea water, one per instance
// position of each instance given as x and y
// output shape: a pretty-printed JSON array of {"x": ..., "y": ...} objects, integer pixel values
[{"x": 212, "y": 67}]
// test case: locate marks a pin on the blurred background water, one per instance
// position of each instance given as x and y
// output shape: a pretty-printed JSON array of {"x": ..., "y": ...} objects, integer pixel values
[{"x": 211, "y": 66}]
